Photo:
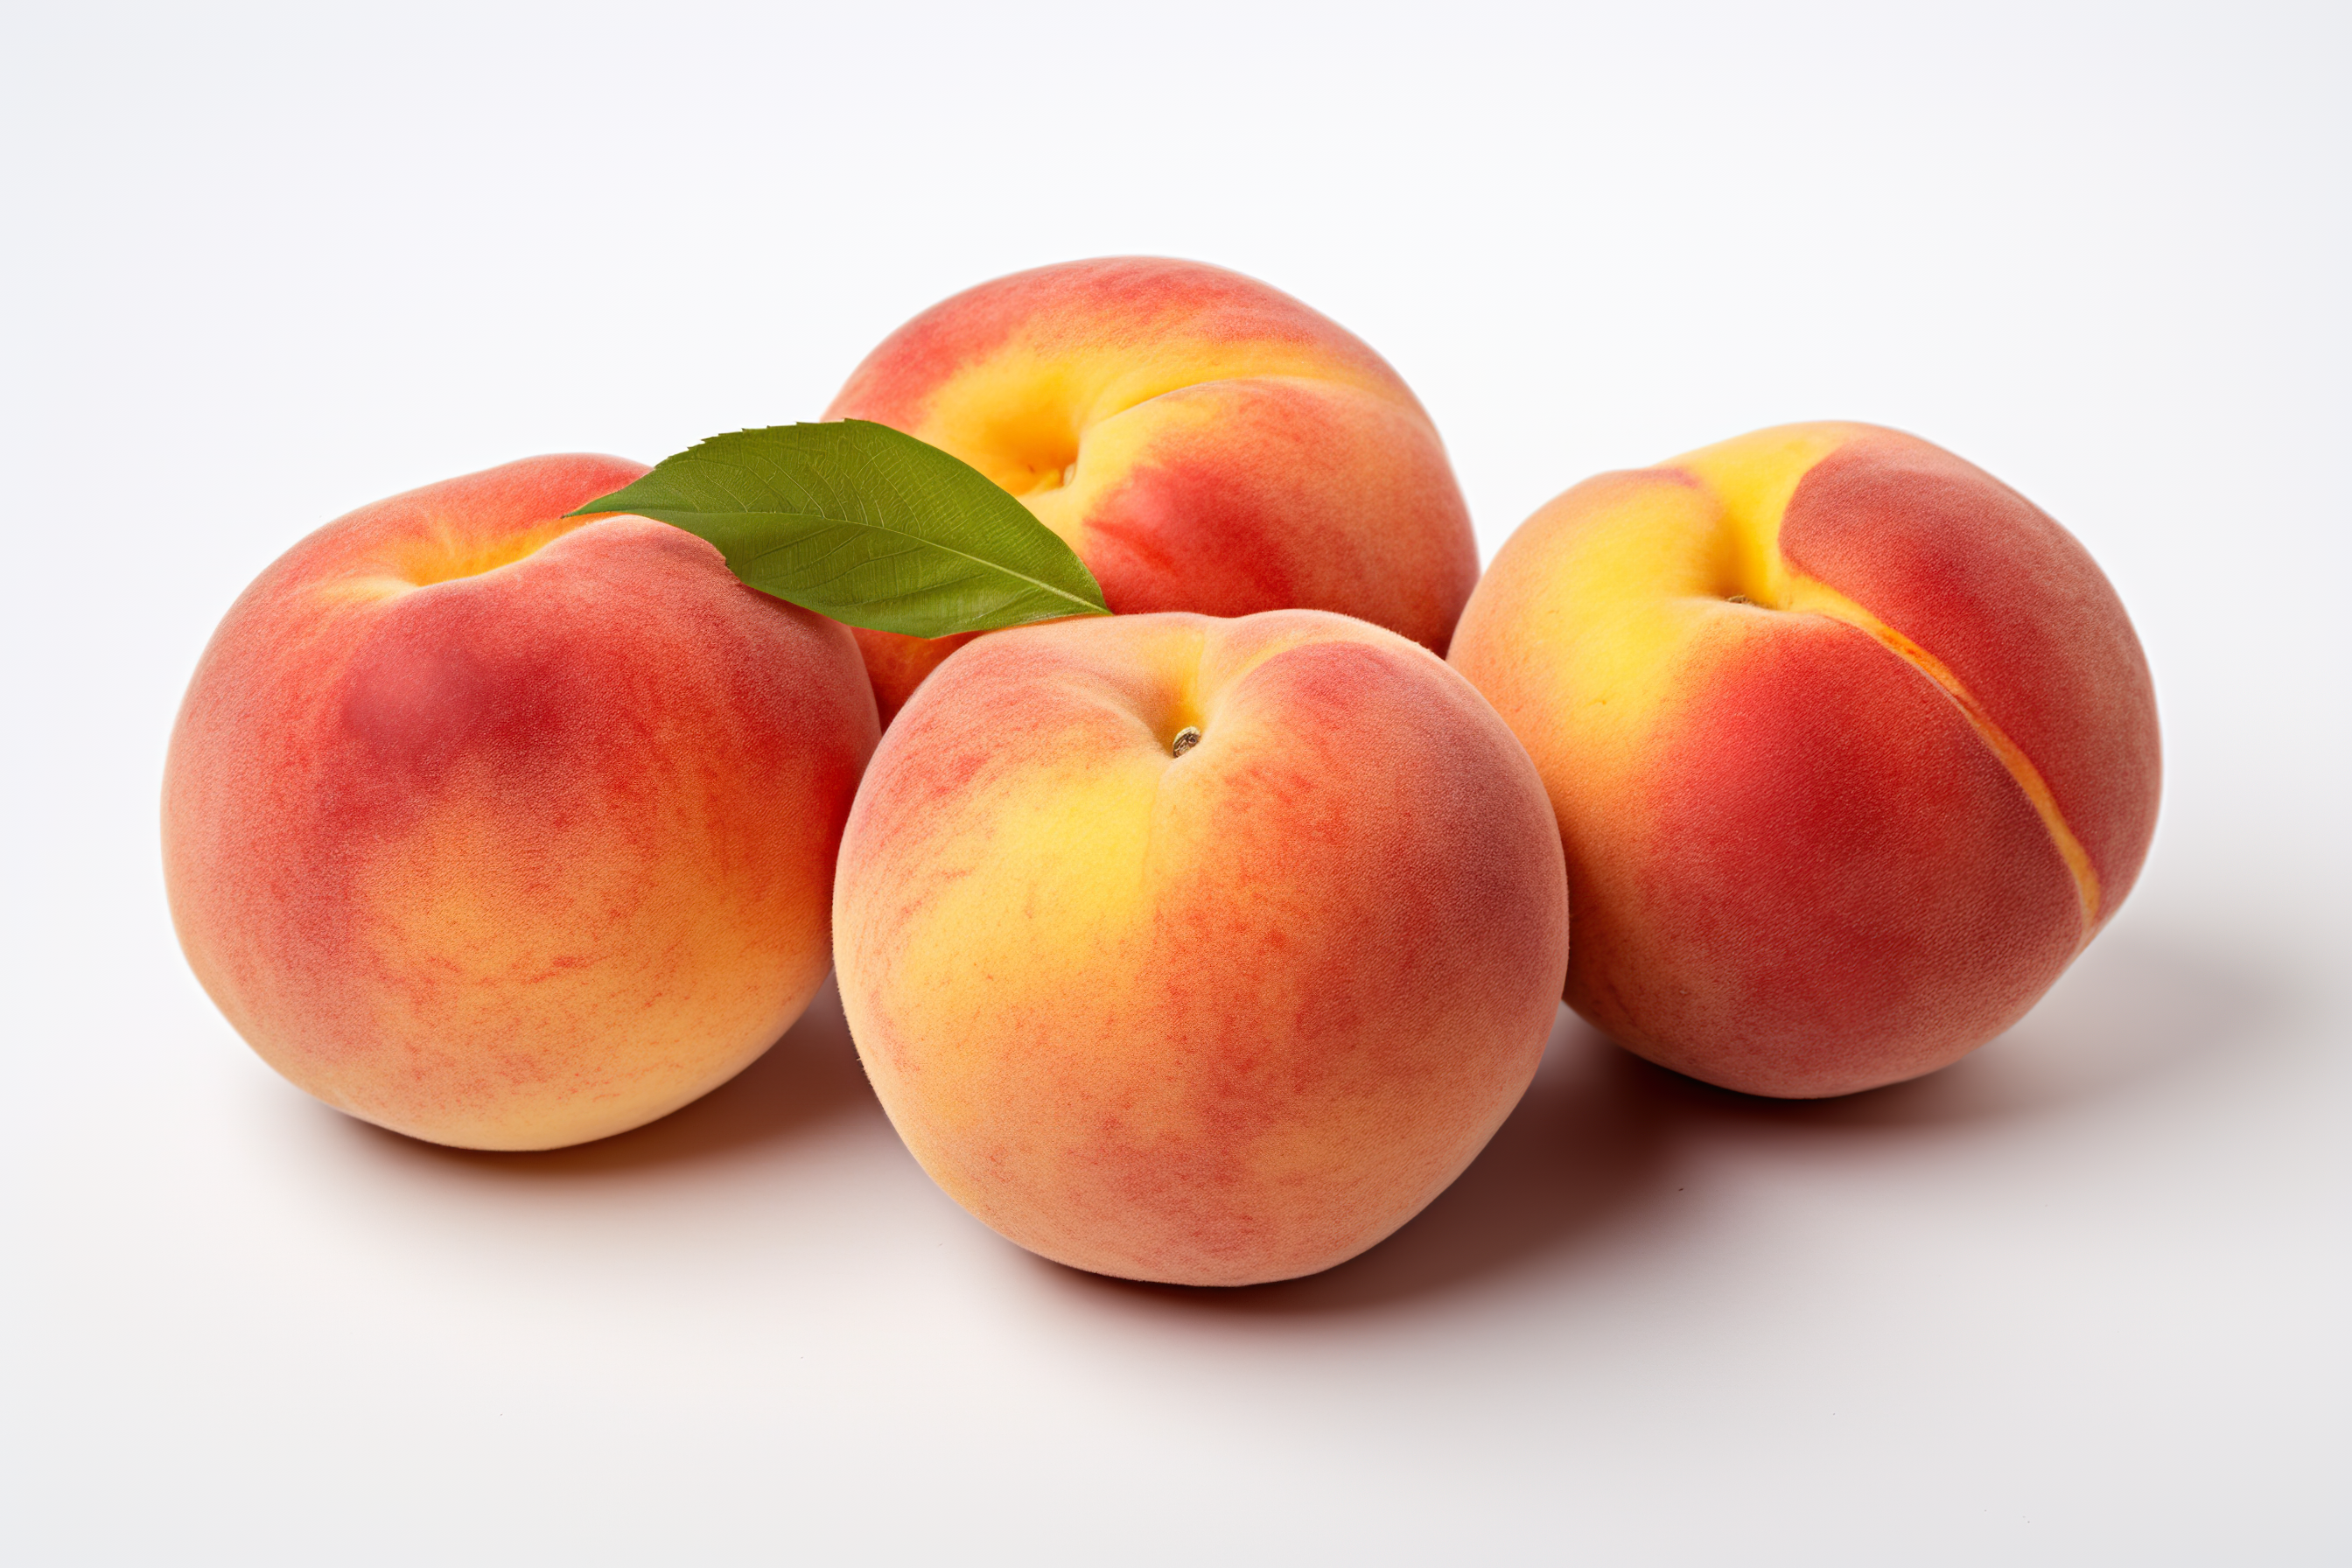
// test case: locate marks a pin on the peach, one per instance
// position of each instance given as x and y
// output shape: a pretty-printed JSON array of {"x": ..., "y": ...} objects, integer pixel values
[
  {"x": 1203, "y": 442},
  {"x": 1206, "y": 1011},
  {"x": 1853, "y": 750},
  {"x": 509, "y": 830}
]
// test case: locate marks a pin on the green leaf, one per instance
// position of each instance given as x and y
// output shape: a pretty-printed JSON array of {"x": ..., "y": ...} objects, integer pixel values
[{"x": 868, "y": 525}]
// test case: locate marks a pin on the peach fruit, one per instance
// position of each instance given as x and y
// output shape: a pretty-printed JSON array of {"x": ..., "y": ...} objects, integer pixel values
[
  {"x": 509, "y": 830},
  {"x": 1199, "y": 950},
  {"x": 1853, "y": 750},
  {"x": 1204, "y": 443}
]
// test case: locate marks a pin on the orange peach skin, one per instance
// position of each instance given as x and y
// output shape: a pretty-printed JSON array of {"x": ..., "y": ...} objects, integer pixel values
[
  {"x": 508, "y": 831},
  {"x": 1853, "y": 750},
  {"x": 1203, "y": 442},
  {"x": 1208, "y": 1019}
]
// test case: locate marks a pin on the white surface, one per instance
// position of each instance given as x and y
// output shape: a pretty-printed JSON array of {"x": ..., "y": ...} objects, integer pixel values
[{"x": 2081, "y": 1298}]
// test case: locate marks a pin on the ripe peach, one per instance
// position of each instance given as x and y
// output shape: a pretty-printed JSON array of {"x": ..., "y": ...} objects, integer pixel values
[
  {"x": 1208, "y": 1013},
  {"x": 1203, "y": 442},
  {"x": 1853, "y": 750},
  {"x": 509, "y": 830}
]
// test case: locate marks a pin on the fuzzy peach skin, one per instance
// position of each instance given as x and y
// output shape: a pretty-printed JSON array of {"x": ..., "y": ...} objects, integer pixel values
[
  {"x": 1853, "y": 750},
  {"x": 1214, "y": 1018},
  {"x": 506, "y": 830},
  {"x": 1203, "y": 442}
]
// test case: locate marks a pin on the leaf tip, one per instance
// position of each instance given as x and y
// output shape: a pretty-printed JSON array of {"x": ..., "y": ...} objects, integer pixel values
[{"x": 601, "y": 505}]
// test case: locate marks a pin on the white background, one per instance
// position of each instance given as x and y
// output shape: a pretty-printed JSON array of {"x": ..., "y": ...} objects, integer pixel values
[{"x": 2081, "y": 1299}]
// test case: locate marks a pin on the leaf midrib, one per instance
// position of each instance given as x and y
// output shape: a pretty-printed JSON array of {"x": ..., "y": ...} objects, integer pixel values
[{"x": 918, "y": 542}]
